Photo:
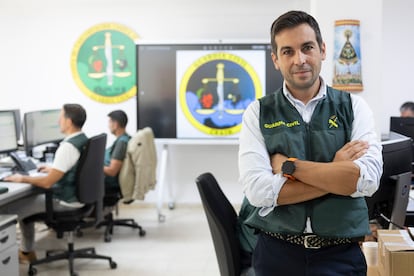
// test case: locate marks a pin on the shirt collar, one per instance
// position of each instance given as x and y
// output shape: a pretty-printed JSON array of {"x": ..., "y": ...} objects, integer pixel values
[
  {"x": 72, "y": 135},
  {"x": 321, "y": 94}
]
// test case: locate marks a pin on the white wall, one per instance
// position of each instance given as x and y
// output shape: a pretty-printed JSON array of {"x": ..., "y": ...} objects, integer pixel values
[
  {"x": 386, "y": 40},
  {"x": 397, "y": 58},
  {"x": 369, "y": 13},
  {"x": 38, "y": 38}
]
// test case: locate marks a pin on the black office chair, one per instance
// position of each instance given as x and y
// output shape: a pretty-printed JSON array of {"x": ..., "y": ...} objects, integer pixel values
[
  {"x": 90, "y": 190},
  {"x": 111, "y": 200},
  {"x": 222, "y": 221},
  {"x": 136, "y": 162}
]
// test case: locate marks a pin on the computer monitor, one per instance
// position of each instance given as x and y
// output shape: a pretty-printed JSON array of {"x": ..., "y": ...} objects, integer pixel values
[
  {"x": 40, "y": 128},
  {"x": 389, "y": 202},
  {"x": 8, "y": 132},
  {"x": 17, "y": 118},
  {"x": 200, "y": 90},
  {"x": 403, "y": 125}
]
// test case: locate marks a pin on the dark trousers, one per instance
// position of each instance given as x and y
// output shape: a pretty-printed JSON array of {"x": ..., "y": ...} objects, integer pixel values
[{"x": 273, "y": 257}]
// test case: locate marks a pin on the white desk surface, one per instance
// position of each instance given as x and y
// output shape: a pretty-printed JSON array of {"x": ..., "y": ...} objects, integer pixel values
[
  {"x": 6, "y": 220},
  {"x": 16, "y": 190}
]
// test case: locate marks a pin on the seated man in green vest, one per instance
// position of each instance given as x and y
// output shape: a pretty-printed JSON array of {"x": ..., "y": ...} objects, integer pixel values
[
  {"x": 60, "y": 176},
  {"x": 115, "y": 154}
]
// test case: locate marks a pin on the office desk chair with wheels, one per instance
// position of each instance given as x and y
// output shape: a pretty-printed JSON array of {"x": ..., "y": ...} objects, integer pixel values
[
  {"x": 136, "y": 178},
  {"x": 90, "y": 191},
  {"x": 111, "y": 200},
  {"x": 222, "y": 220}
]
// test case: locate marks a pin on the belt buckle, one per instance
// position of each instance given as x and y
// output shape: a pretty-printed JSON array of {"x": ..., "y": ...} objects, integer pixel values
[{"x": 306, "y": 243}]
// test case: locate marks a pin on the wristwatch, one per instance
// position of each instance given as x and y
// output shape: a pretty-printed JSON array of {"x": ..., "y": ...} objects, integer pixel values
[{"x": 288, "y": 168}]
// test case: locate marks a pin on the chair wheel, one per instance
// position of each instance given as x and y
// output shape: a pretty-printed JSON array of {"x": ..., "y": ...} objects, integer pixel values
[
  {"x": 107, "y": 238},
  {"x": 79, "y": 234},
  {"x": 32, "y": 271},
  {"x": 113, "y": 264},
  {"x": 161, "y": 218},
  {"x": 142, "y": 233}
]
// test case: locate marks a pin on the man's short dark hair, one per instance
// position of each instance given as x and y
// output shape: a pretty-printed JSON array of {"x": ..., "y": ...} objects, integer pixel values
[
  {"x": 290, "y": 20},
  {"x": 407, "y": 106},
  {"x": 76, "y": 113},
  {"x": 120, "y": 117}
]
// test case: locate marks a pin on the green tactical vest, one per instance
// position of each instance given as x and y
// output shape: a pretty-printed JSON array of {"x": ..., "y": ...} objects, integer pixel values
[
  {"x": 329, "y": 129},
  {"x": 112, "y": 181},
  {"x": 65, "y": 188}
]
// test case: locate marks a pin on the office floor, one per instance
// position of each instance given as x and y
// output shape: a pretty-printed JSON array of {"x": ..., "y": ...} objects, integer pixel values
[{"x": 180, "y": 246}]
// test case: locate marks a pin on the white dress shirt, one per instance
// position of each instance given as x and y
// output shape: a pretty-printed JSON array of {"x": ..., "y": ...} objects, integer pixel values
[{"x": 67, "y": 155}]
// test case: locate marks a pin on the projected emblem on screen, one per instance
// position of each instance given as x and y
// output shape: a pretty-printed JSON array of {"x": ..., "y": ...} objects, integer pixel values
[{"x": 214, "y": 91}]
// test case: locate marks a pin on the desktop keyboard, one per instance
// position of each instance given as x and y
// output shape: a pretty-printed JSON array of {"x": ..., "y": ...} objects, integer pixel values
[{"x": 31, "y": 173}]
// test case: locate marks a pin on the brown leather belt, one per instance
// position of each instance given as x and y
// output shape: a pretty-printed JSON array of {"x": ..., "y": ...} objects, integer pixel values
[{"x": 313, "y": 241}]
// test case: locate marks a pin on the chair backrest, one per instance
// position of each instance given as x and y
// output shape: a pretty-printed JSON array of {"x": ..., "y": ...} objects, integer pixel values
[
  {"x": 90, "y": 190},
  {"x": 89, "y": 174},
  {"x": 222, "y": 220},
  {"x": 138, "y": 172}
]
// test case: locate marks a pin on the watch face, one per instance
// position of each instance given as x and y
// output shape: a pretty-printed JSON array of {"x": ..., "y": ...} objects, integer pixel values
[{"x": 288, "y": 167}]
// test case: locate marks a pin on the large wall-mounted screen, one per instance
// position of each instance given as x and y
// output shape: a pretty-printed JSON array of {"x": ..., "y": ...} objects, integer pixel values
[{"x": 200, "y": 91}]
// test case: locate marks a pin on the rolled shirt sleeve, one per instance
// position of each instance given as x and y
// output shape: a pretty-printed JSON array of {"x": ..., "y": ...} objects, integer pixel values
[
  {"x": 370, "y": 164},
  {"x": 260, "y": 185}
]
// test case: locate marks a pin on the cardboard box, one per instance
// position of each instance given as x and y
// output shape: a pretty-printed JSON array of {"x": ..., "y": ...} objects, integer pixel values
[
  {"x": 395, "y": 253},
  {"x": 372, "y": 271}
]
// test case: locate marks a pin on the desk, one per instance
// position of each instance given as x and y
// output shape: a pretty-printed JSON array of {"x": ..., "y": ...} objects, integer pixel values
[
  {"x": 9, "y": 263},
  {"x": 16, "y": 191},
  {"x": 8, "y": 252},
  {"x": 17, "y": 195}
]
